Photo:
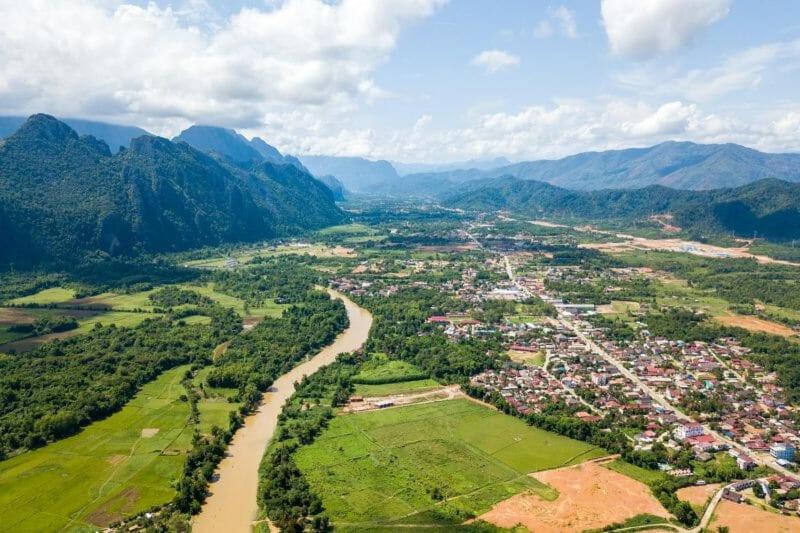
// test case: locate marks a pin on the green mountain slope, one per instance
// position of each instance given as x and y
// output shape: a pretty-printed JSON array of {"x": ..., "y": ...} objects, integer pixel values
[
  {"x": 62, "y": 195},
  {"x": 114, "y": 135},
  {"x": 770, "y": 208}
]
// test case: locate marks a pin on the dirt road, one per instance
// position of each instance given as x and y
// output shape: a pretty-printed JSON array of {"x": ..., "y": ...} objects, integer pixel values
[{"x": 231, "y": 506}]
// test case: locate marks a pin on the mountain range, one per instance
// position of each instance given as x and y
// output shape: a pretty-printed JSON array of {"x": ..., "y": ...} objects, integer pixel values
[
  {"x": 234, "y": 146},
  {"x": 114, "y": 135},
  {"x": 769, "y": 208},
  {"x": 63, "y": 195},
  {"x": 679, "y": 165},
  {"x": 356, "y": 173}
]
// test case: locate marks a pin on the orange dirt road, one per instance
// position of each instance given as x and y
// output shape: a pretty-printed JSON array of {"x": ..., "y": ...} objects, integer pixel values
[{"x": 231, "y": 507}]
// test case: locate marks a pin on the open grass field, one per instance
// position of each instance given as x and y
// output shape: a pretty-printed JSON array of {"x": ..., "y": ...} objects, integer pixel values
[
  {"x": 380, "y": 370},
  {"x": 387, "y": 389},
  {"x": 635, "y": 472},
  {"x": 46, "y": 297},
  {"x": 116, "y": 301},
  {"x": 530, "y": 358},
  {"x": 22, "y": 342},
  {"x": 244, "y": 256},
  {"x": 114, "y": 467},
  {"x": 225, "y": 300},
  {"x": 436, "y": 463}
]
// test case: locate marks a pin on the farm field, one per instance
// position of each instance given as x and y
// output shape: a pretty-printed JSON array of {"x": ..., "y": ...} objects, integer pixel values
[
  {"x": 435, "y": 463},
  {"x": 589, "y": 497},
  {"x": 245, "y": 256},
  {"x": 114, "y": 467}
]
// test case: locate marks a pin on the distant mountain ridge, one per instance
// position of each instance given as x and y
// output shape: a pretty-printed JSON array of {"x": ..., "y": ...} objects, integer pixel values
[
  {"x": 62, "y": 196},
  {"x": 228, "y": 143},
  {"x": 356, "y": 173},
  {"x": 768, "y": 208},
  {"x": 405, "y": 169},
  {"x": 680, "y": 165},
  {"x": 114, "y": 135}
]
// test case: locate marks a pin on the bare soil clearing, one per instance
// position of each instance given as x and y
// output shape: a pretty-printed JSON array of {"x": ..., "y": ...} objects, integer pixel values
[
  {"x": 678, "y": 245},
  {"x": 397, "y": 400},
  {"x": 590, "y": 497},
  {"x": 752, "y": 323},
  {"x": 741, "y": 518},
  {"x": 698, "y": 495}
]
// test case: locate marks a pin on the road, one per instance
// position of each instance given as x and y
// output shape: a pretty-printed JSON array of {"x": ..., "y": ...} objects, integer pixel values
[{"x": 232, "y": 505}]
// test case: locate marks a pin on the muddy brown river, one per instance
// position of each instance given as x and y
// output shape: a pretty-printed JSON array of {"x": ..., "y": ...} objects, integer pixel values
[{"x": 231, "y": 506}]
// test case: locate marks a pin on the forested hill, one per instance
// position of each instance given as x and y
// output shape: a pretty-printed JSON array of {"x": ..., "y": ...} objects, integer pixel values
[
  {"x": 769, "y": 207},
  {"x": 114, "y": 135},
  {"x": 62, "y": 196},
  {"x": 228, "y": 143},
  {"x": 679, "y": 165}
]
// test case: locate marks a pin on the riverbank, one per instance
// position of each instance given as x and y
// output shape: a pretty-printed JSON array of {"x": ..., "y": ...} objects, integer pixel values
[{"x": 231, "y": 505}]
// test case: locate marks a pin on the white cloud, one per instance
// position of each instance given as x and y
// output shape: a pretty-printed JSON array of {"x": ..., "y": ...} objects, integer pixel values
[
  {"x": 645, "y": 28},
  {"x": 495, "y": 60},
  {"x": 559, "y": 129},
  {"x": 563, "y": 18},
  {"x": 566, "y": 20},
  {"x": 159, "y": 67},
  {"x": 741, "y": 71},
  {"x": 422, "y": 121}
]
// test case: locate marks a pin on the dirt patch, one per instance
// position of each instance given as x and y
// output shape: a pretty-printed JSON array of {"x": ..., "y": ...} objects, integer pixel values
[
  {"x": 752, "y": 323},
  {"x": 250, "y": 321},
  {"x": 525, "y": 357},
  {"x": 115, "y": 509},
  {"x": 116, "y": 459},
  {"x": 220, "y": 350},
  {"x": 698, "y": 495},
  {"x": 590, "y": 497},
  {"x": 665, "y": 221},
  {"x": 148, "y": 433},
  {"x": 396, "y": 400},
  {"x": 740, "y": 518},
  {"x": 341, "y": 251}
]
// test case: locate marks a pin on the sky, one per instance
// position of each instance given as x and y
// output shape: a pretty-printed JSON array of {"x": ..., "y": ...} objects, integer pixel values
[{"x": 416, "y": 80}]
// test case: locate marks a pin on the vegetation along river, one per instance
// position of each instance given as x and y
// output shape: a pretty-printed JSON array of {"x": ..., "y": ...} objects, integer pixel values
[{"x": 232, "y": 505}]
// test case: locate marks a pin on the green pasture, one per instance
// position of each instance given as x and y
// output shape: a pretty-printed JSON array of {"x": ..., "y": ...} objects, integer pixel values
[
  {"x": 634, "y": 472},
  {"x": 403, "y": 387},
  {"x": 46, "y": 297},
  {"x": 114, "y": 467},
  {"x": 436, "y": 463}
]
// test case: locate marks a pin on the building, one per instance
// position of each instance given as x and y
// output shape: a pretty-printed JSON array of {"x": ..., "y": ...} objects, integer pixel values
[
  {"x": 684, "y": 431},
  {"x": 782, "y": 451}
]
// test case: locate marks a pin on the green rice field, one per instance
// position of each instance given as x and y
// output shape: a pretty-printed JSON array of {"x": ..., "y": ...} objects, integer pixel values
[
  {"x": 437, "y": 463},
  {"x": 115, "y": 467}
]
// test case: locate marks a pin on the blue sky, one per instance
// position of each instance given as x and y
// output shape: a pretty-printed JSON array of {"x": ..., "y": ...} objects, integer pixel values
[{"x": 416, "y": 80}]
